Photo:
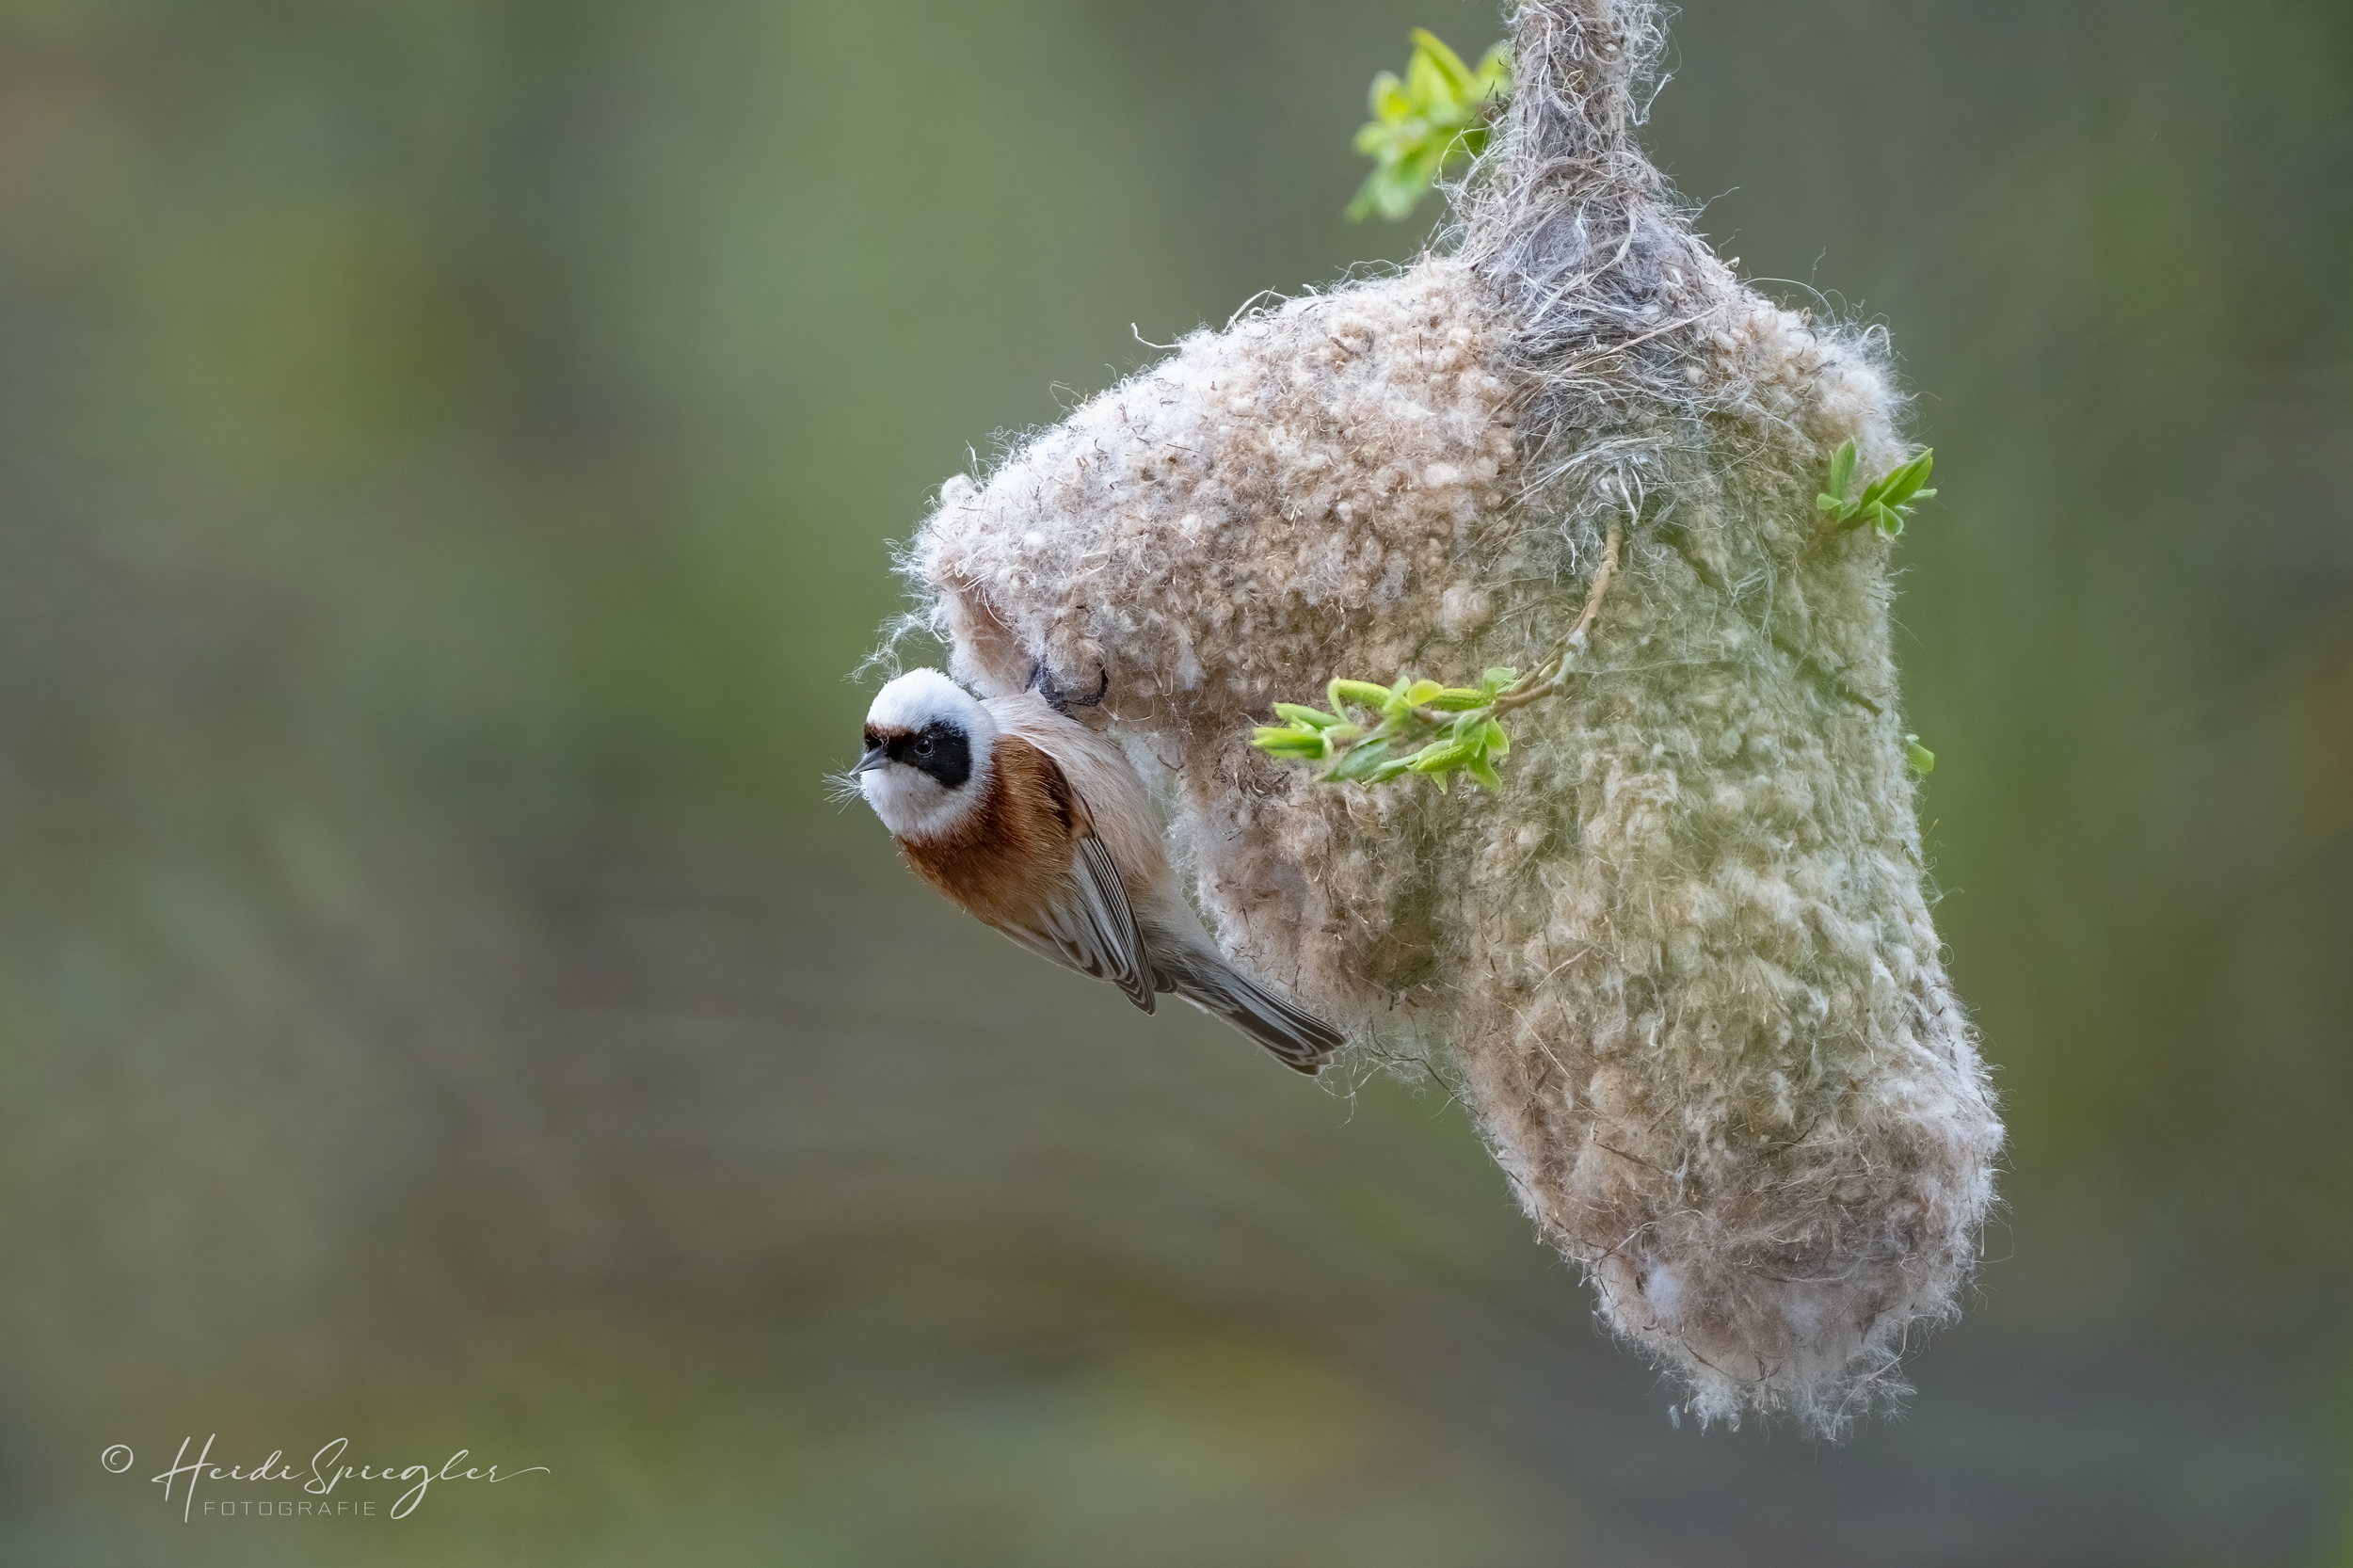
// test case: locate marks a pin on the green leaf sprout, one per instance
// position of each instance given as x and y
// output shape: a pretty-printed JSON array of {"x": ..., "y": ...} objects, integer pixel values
[
  {"x": 1420, "y": 727},
  {"x": 1438, "y": 114},
  {"x": 1372, "y": 734},
  {"x": 1922, "y": 760},
  {"x": 1884, "y": 504}
]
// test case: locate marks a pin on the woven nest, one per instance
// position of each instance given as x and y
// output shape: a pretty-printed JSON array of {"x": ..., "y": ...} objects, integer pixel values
[{"x": 1682, "y": 968}]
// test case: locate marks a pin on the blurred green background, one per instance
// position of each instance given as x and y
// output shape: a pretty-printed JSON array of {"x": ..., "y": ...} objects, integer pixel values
[{"x": 449, "y": 456}]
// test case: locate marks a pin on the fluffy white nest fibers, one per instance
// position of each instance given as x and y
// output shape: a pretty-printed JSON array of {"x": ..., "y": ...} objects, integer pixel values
[{"x": 1682, "y": 965}]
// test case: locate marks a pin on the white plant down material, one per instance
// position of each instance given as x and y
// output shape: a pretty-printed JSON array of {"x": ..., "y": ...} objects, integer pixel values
[{"x": 1682, "y": 966}]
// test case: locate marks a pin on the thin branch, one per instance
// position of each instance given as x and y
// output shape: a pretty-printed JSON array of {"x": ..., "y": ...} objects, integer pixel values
[
  {"x": 1555, "y": 673},
  {"x": 1601, "y": 585}
]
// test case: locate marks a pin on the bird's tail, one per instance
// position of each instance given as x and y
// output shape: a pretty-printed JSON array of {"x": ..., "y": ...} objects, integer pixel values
[{"x": 1299, "y": 1039}]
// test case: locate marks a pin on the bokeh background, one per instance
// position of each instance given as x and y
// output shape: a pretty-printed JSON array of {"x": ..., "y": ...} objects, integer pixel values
[{"x": 449, "y": 456}]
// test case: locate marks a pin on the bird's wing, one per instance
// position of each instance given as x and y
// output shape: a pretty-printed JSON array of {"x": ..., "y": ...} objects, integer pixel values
[
  {"x": 1111, "y": 922},
  {"x": 1090, "y": 928},
  {"x": 1087, "y": 923}
]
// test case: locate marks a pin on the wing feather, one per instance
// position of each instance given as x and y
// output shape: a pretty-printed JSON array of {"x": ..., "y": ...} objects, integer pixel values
[
  {"x": 1115, "y": 921},
  {"x": 1091, "y": 928},
  {"x": 1086, "y": 923}
]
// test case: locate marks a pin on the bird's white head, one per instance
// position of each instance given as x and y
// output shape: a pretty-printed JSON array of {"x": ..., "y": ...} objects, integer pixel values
[{"x": 927, "y": 766}]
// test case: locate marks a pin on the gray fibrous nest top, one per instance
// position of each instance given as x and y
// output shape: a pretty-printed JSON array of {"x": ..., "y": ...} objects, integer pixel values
[{"x": 1681, "y": 968}]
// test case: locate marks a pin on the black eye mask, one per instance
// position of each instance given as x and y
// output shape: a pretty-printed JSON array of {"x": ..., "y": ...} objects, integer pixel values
[{"x": 939, "y": 749}]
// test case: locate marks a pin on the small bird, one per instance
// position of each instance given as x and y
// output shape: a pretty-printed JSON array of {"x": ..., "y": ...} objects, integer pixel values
[{"x": 1040, "y": 827}]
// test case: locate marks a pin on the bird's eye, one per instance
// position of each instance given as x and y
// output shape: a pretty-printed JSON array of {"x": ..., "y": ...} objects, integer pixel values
[{"x": 923, "y": 746}]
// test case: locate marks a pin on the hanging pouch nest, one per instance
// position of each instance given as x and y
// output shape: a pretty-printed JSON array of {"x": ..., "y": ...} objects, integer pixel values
[{"x": 1680, "y": 964}]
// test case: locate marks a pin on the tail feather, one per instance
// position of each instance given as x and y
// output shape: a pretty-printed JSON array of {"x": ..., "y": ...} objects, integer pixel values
[{"x": 1299, "y": 1039}]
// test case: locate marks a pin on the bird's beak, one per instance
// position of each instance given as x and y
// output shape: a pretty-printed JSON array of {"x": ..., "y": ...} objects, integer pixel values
[{"x": 876, "y": 757}]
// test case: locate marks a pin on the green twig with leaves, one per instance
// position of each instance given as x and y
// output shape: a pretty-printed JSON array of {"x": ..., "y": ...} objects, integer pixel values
[
  {"x": 1372, "y": 734},
  {"x": 1440, "y": 113},
  {"x": 1884, "y": 504}
]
